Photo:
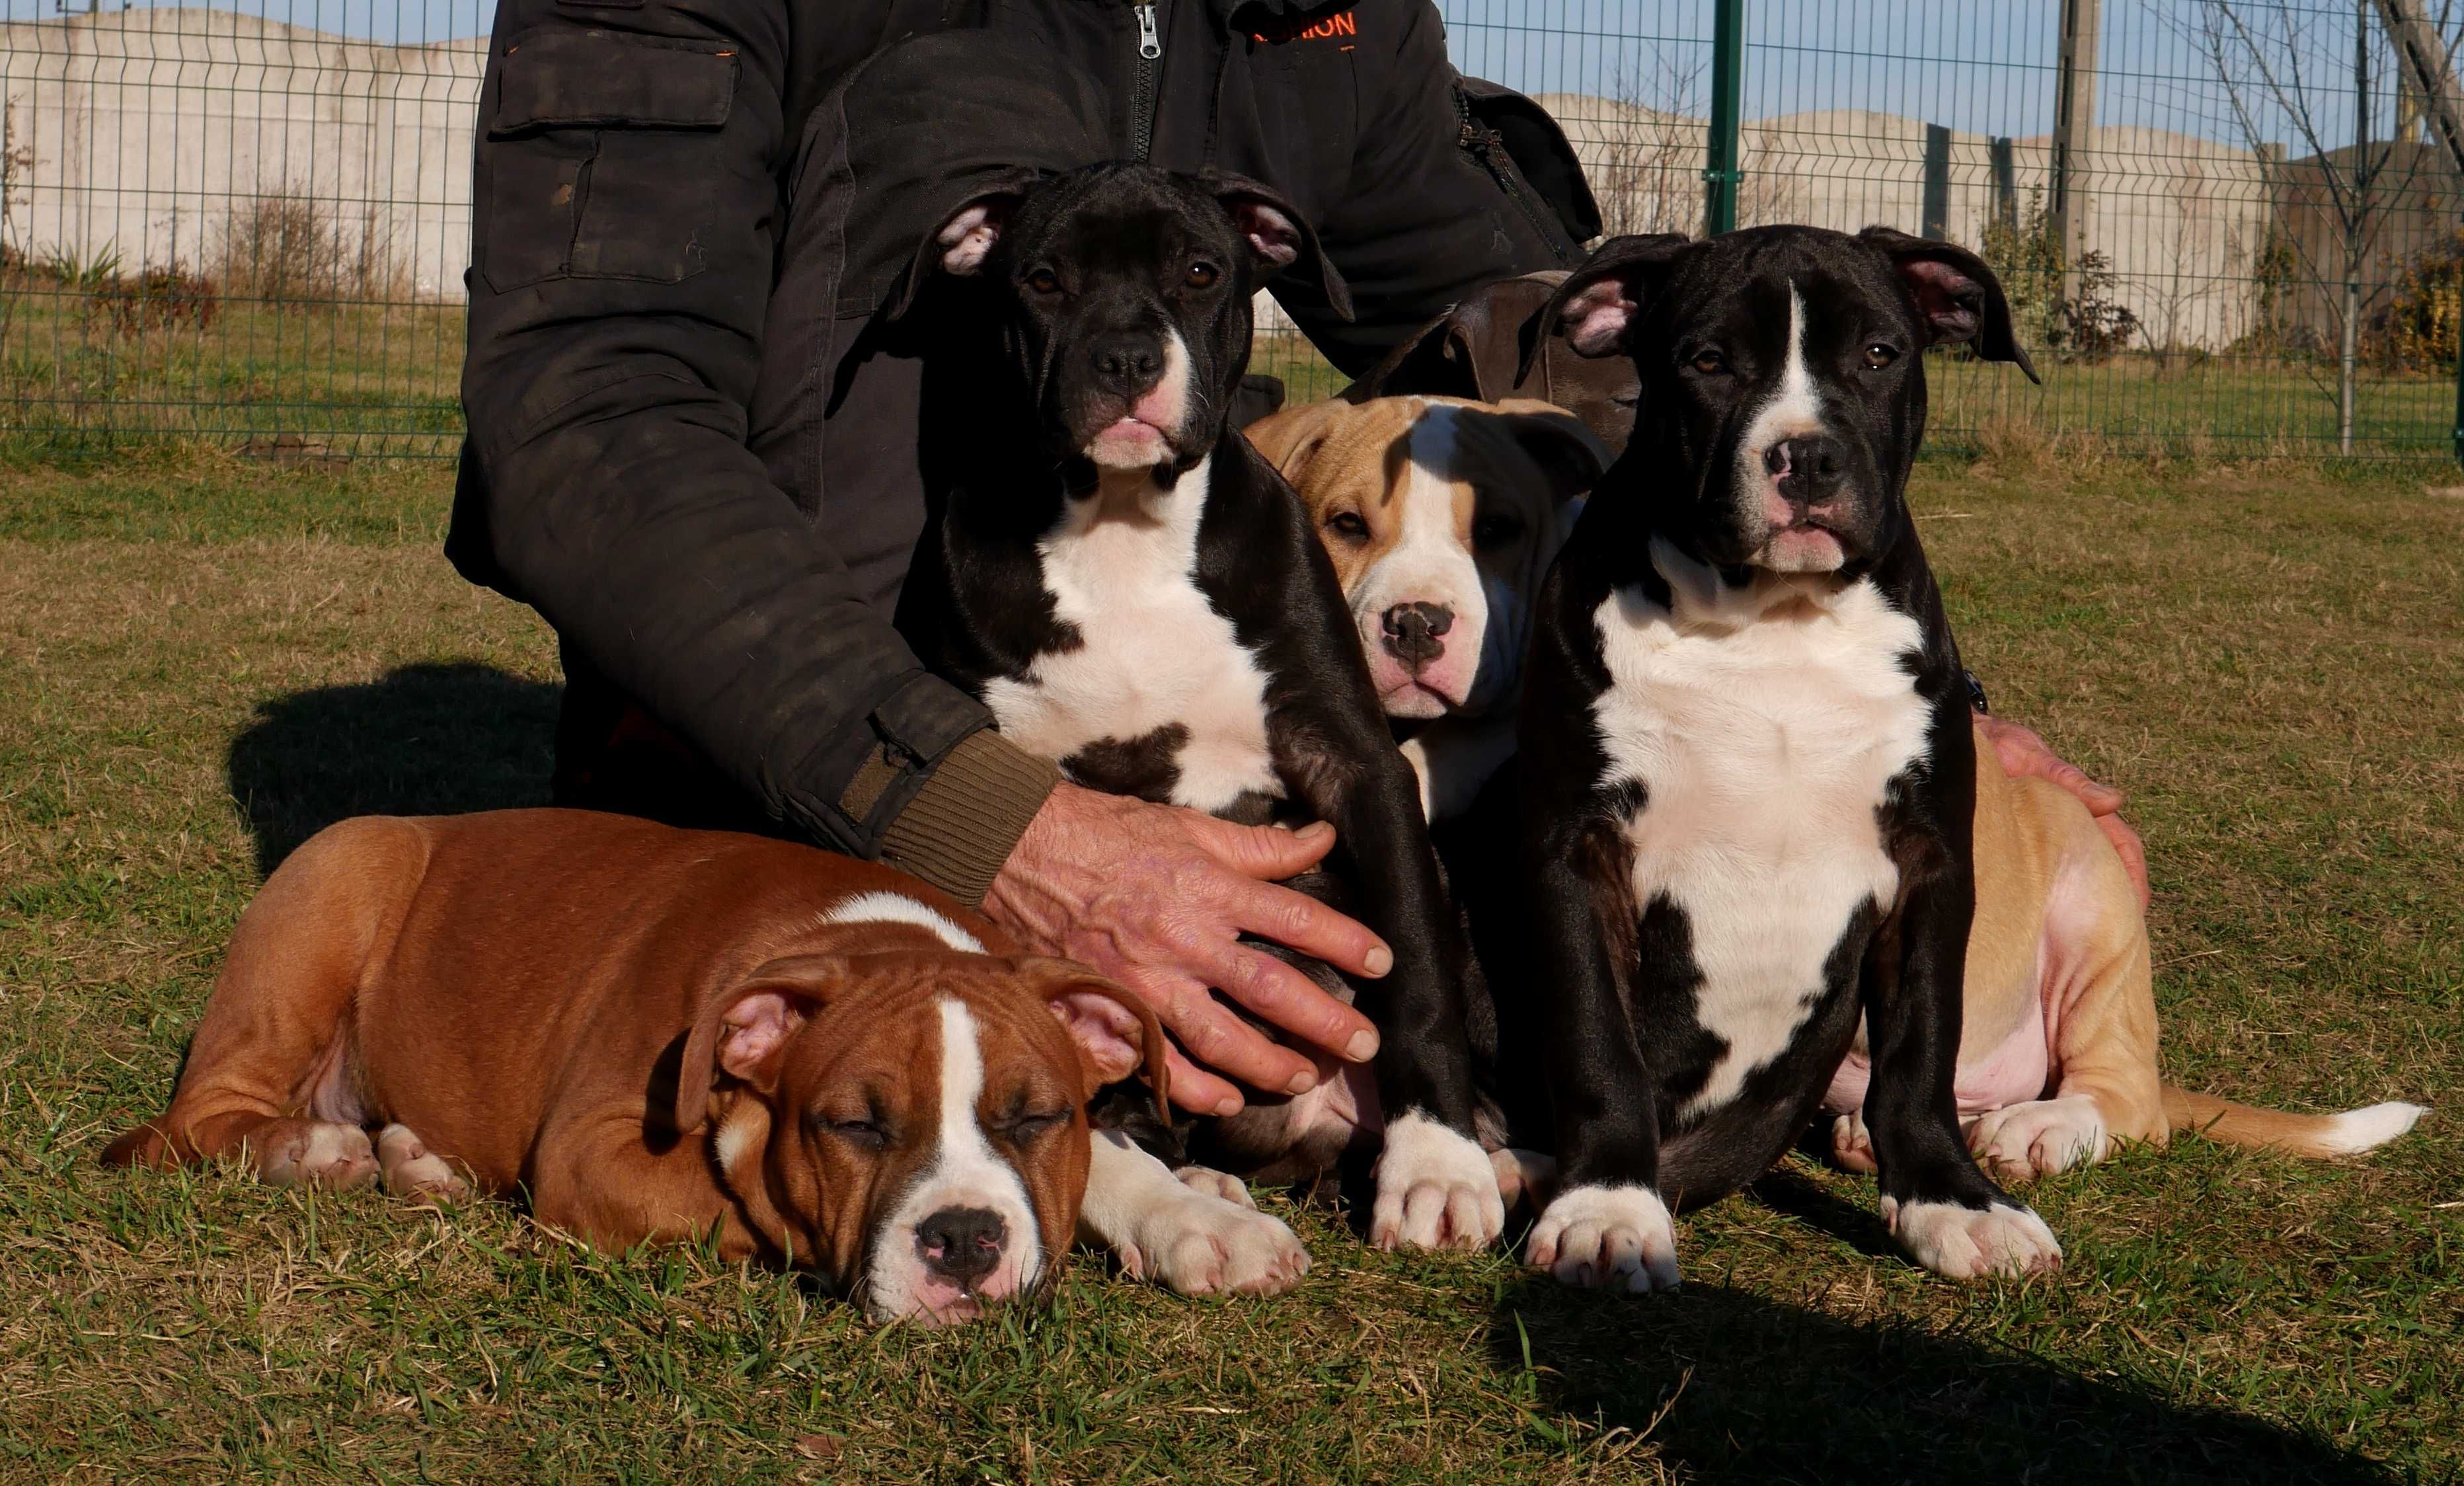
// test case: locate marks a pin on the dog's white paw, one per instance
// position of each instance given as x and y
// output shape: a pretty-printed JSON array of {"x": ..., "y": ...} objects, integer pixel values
[
  {"x": 412, "y": 1170},
  {"x": 1435, "y": 1189},
  {"x": 2019, "y": 1143},
  {"x": 1851, "y": 1144},
  {"x": 1965, "y": 1243},
  {"x": 1203, "y": 1245},
  {"x": 1606, "y": 1238},
  {"x": 1215, "y": 1183},
  {"x": 336, "y": 1156}
]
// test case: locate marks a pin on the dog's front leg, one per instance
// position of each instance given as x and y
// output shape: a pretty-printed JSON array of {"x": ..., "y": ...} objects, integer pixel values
[
  {"x": 1454, "y": 757},
  {"x": 1946, "y": 1213},
  {"x": 1607, "y": 1226},
  {"x": 1190, "y": 1241},
  {"x": 1436, "y": 1186}
]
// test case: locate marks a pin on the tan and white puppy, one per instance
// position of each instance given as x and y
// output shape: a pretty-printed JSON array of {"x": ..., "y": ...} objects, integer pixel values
[
  {"x": 1441, "y": 516},
  {"x": 659, "y": 1035},
  {"x": 2057, "y": 1041}
]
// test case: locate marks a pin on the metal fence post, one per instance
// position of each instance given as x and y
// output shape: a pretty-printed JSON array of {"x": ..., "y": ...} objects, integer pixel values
[
  {"x": 1720, "y": 172},
  {"x": 2074, "y": 122}
]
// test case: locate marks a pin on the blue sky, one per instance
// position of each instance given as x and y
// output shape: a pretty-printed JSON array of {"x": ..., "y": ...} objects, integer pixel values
[{"x": 1974, "y": 65}]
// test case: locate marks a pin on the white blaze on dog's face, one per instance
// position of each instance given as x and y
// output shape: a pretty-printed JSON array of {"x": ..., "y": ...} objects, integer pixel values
[
  {"x": 1440, "y": 515},
  {"x": 1785, "y": 429},
  {"x": 918, "y": 1134}
]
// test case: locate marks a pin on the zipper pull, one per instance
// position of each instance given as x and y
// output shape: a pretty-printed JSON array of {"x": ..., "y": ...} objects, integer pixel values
[{"x": 1150, "y": 44}]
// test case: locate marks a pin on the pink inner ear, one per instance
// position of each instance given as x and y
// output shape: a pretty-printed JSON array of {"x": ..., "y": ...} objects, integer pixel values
[
  {"x": 1594, "y": 319},
  {"x": 1941, "y": 290},
  {"x": 1096, "y": 1024},
  {"x": 1271, "y": 232},
  {"x": 967, "y": 239},
  {"x": 753, "y": 1031}
]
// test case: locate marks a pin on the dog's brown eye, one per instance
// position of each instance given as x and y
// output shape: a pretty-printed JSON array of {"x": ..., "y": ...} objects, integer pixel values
[
  {"x": 1879, "y": 356},
  {"x": 1710, "y": 362},
  {"x": 1348, "y": 525},
  {"x": 1202, "y": 275},
  {"x": 1492, "y": 532},
  {"x": 1044, "y": 280}
]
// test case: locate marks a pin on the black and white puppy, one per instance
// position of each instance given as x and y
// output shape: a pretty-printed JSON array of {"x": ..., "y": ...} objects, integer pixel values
[
  {"x": 1136, "y": 593},
  {"x": 1748, "y": 771}
]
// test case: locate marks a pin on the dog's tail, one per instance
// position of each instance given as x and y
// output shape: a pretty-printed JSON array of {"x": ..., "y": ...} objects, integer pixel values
[
  {"x": 2315, "y": 1135},
  {"x": 146, "y": 1146}
]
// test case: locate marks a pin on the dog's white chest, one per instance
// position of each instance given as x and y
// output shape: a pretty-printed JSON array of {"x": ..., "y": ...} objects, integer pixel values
[
  {"x": 1154, "y": 654},
  {"x": 1765, "y": 725}
]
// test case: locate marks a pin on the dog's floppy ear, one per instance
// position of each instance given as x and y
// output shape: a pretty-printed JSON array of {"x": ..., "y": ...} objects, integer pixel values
[
  {"x": 743, "y": 1031},
  {"x": 1292, "y": 437},
  {"x": 1560, "y": 443},
  {"x": 1598, "y": 302},
  {"x": 1278, "y": 236},
  {"x": 958, "y": 244},
  {"x": 1104, "y": 1056},
  {"x": 1957, "y": 294}
]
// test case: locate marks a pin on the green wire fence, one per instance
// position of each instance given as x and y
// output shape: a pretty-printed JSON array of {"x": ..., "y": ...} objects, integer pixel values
[{"x": 2226, "y": 225}]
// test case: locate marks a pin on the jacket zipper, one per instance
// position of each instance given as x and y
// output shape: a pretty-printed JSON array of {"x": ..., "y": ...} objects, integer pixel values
[
  {"x": 1480, "y": 140},
  {"x": 1142, "y": 96}
]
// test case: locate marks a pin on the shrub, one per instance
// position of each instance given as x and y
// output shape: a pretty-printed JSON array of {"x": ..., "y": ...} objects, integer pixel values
[
  {"x": 289, "y": 247},
  {"x": 160, "y": 298},
  {"x": 2416, "y": 329}
]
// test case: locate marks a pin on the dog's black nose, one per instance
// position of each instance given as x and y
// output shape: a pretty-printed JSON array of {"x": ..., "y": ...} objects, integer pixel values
[
  {"x": 960, "y": 1243},
  {"x": 1413, "y": 631},
  {"x": 1128, "y": 361},
  {"x": 1811, "y": 469}
]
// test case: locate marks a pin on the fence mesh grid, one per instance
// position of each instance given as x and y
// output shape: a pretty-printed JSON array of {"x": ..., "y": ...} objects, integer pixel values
[{"x": 250, "y": 229}]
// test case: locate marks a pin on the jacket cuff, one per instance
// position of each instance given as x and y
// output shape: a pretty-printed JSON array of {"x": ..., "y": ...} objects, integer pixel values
[{"x": 967, "y": 815}]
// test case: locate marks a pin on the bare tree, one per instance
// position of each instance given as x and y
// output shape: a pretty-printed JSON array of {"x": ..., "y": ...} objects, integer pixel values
[
  {"x": 1644, "y": 156},
  {"x": 2192, "y": 259},
  {"x": 2268, "y": 57},
  {"x": 1645, "y": 152}
]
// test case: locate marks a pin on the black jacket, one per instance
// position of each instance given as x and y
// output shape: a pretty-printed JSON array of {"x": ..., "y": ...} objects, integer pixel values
[{"x": 689, "y": 450}]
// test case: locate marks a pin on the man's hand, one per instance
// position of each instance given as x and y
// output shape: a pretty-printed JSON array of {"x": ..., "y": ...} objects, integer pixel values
[
  {"x": 2024, "y": 754},
  {"x": 1156, "y": 898}
]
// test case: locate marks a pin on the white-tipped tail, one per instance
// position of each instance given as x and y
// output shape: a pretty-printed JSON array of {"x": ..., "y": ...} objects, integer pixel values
[
  {"x": 2231, "y": 1124},
  {"x": 2359, "y": 1129}
]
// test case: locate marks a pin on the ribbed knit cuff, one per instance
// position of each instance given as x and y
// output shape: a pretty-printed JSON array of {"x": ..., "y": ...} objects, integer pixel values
[{"x": 969, "y": 813}]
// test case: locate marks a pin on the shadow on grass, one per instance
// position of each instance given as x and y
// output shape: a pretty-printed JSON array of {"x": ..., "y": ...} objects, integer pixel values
[
  {"x": 426, "y": 739},
  {"x": 1764, "y": 1391}
]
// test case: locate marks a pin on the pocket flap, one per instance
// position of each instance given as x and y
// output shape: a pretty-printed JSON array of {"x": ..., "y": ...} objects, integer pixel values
[{"x": 567, "y": 80}]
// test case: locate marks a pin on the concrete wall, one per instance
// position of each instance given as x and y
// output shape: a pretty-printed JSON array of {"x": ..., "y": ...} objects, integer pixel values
[
  {"x": 149, "y": 128},
  {"x": 2178, "y": 219}
]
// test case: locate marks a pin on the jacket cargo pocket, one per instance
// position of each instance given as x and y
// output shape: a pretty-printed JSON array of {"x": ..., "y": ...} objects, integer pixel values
[{"x": 598, "y": 158}]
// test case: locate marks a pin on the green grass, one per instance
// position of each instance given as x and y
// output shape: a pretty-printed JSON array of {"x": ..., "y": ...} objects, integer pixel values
[
  {"x": 313, "y": 379},
  {"x": 331, "y": 378},
  {"x": 201, "y": 660}
]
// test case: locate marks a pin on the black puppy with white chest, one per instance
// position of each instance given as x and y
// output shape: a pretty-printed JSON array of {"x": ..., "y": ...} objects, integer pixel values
[
  {"x": 1748, "y": 771},
  {"x": 1135, "y": 593}
]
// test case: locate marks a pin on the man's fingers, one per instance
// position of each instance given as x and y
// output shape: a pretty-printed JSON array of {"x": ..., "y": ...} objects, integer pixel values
[
  {"x": 1262, "y": 852},
  {"x": 1215, "y": 1038},
  {"x": 2023, "y": 753},
  {"x": 1278, "y": 993},
  {"x": 1196, "y": 1091},
  {"x": 1299, "y": 921},
  {"x": 2132, "y": 850}
]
